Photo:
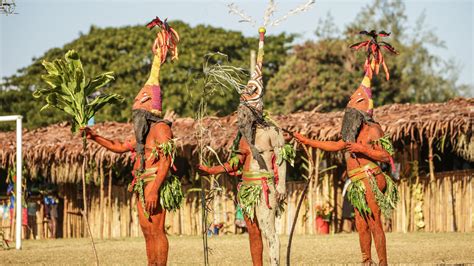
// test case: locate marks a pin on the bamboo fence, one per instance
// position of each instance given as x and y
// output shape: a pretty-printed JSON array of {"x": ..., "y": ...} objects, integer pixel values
[{"x": 448, "y": 209}]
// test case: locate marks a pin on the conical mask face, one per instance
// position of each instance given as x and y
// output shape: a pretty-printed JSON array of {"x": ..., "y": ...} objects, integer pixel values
[{"x": 361, "y": 99}]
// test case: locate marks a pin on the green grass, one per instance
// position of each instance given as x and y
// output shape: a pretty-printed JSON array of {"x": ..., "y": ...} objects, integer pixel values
[{"x": 411, "y": 248}]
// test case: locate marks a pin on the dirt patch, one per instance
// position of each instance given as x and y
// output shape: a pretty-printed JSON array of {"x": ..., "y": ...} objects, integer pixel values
[{"x": 411, "y": 248}]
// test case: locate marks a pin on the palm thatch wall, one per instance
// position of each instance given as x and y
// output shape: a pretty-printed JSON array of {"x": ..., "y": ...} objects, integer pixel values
[{"x": 54, "y": 152}]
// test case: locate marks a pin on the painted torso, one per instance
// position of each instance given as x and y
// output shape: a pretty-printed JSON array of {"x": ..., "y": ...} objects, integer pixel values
[
  {"x": 159, "y": 133},
  {"x": 264, "y": 138},
  {"x": 368, "y": 133}
]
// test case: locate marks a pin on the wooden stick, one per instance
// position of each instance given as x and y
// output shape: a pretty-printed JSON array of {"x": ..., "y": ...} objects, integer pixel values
[
  {"x": 202, "y": 193},
  {"x": 84, "y": 195},
  {"x": 109, "y": 205},
  {"x": 101, "y": 201},
  {"x": 305, "y": 189},
  {"x": 432, "y": 186},
  {"x": 65, "y": 217}
]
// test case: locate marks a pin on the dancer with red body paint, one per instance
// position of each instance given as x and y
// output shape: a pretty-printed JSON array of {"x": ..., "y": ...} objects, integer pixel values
[
  {"x": 154, "y": 146},
  {"x": 372, "y": 192}
]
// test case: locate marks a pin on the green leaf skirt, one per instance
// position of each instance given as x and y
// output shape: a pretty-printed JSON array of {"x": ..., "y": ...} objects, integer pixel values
[
  {"x": 386, "y": 201},
  {"x": 171, "y": 192},
  {"x": 250, "y": 192}
]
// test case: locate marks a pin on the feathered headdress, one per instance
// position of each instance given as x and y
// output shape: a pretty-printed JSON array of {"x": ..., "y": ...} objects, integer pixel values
[
  {"x": 166, "y": 39},
  {"x": 374, "y": 53}
]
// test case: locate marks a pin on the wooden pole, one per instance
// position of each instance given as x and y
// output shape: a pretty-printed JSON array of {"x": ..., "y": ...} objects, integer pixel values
[
  {"x": 101, "y": 201},
  {"x": 303, "y": 194},
  {"x": 65, "y": 214},
  {"x": 84, "y": 195},
  {"x": 312, "y": 187},
  {"x": 315, "y": 183},
  {"x": 430, "y": 158},
  {"x": 202, "y": 109},
  {"x": 109, "y": 204},
  {"x": 453, "y": 202},
  {"x": 432, "y": 185}
]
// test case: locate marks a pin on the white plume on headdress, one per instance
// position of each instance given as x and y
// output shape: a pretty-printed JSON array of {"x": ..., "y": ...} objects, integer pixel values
[
  {"x": 271, "y": 8},
  {"x": 269, "y": 11},
  {"x": 302, "y": 8},
  {"x": 234, "y": 9}
]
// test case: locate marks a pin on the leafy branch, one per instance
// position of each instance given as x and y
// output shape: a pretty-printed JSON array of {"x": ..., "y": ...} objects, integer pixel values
[
  {"x": 80, "y": 98},
  {"x": 70, "y": 91}
]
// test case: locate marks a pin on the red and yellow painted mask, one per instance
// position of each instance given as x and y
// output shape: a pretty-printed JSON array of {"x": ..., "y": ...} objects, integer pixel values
[{"x": 361, "y": 99}]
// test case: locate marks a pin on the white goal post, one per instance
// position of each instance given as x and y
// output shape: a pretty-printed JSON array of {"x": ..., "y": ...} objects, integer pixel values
[{"x": 18, "y": 194}]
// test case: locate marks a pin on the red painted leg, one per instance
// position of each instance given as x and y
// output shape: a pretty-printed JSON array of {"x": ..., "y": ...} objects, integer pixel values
[
  {"x": 255, "y": 239},
  {"x": 365, "y": 240},
  {"x": 155, "y": 236},
  {"x": 375, "y": 223}
]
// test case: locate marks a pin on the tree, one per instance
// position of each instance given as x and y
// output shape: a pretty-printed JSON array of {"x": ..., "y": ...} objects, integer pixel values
[
  {"x": 325, "y": 72},
  {"x": 127, "y": 52}
]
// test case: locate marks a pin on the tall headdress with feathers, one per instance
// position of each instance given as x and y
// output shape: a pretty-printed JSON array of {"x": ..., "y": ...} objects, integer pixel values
[
  {"x": 166, "y": 41},
  {"x": 252, "y": 96},
  {"x": 372, "y": 63},
  {"x": 250, "y": 112}
]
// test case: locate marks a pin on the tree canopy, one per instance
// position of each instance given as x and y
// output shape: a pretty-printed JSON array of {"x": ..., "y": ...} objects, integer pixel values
[
  {"x": 325, "y": 72},
  {"x": 127, "y": 52}
]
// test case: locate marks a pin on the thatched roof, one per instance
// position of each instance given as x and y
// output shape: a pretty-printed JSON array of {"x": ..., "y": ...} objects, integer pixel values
[{"x": 54, "y": 152}]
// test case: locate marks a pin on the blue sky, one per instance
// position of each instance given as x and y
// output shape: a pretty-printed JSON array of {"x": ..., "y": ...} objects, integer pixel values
[{"x": 44, "y": 24}]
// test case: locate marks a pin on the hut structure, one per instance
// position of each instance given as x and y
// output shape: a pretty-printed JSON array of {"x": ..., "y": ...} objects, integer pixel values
[{"x": 434, "y": 158}]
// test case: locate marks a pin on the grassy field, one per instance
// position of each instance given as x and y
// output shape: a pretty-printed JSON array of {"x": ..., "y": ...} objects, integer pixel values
[{"x": 412, "y": 248}]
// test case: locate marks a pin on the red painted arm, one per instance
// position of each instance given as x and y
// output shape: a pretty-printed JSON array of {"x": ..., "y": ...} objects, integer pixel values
[
  {"x": 214, "y": 170},
  {"x": 112, "y": 145},
  {"x": 377, "y": 154},
  {"x": 373, "y": 151},
  {"x": 323, "y": 145}
]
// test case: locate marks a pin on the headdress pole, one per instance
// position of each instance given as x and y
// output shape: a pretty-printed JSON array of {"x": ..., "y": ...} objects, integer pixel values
[{"x": 250, "y": 111}]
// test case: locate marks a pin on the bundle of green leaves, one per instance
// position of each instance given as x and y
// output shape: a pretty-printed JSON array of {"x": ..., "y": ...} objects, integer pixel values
[
  {"x": 356, "y": 196},
  {"x": 171, "y": 194},
  {"x": 71, "y": 92},
  {"x": 287, "y": 153},
  {"x": 249, "y": 197},
  {"x": 387, "y": 201}
]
